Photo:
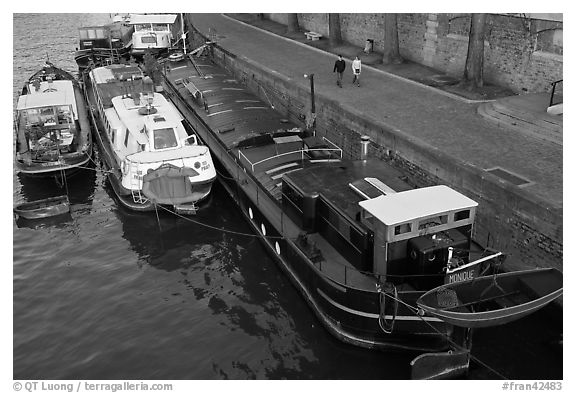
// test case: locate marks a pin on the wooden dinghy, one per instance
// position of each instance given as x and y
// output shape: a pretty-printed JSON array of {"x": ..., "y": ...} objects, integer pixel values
[
  {"x": 493, "y": 300},
  {"x": 43, "y": 208}
]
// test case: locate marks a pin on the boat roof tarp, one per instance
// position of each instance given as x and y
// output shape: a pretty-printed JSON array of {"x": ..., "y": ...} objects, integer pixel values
[
  {"x": 138, "y": 19},
  {"x": 169, "y": 185},
  {"x": 418, "y": 203}
]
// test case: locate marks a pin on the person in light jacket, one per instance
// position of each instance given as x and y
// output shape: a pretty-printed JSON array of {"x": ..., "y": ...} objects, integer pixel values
[
  {"x": 339, "y": 67},
  {"x": 356, "y": 69}
]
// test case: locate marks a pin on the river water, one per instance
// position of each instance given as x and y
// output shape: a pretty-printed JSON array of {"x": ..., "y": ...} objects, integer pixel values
[{"x": 111, "y": 294}]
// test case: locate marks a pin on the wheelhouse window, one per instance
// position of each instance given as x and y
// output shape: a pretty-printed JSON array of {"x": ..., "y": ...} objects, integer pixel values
[
  {"x": 432, "y": 222},
  {"x": 40, "y": 116},
  {"x": 64, "y": 114},
  {"x": 160, "y": 28},
  {"x": 164, "y": 138},
  {"x": 150, "y": 39},
  {"x": 461, "y": 215},
  {"x": 403, "y": 228},
  {"x": 142, "y": 27}
]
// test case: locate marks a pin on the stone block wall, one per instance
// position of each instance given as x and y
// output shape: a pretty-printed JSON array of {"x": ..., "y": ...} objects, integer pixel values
[{"x": 522, "y": 54}]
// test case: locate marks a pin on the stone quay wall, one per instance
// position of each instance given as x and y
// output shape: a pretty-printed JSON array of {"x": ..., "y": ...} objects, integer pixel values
[{"x": 524, "y": 54}]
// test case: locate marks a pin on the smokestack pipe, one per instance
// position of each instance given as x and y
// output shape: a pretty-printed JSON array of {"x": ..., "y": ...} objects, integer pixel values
[{"x": 364, "y": 142}]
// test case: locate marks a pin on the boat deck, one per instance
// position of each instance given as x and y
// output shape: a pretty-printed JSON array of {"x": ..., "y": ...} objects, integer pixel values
[
  {"x": 232, "y": 111},
  {"x": 337, "y": 268}
]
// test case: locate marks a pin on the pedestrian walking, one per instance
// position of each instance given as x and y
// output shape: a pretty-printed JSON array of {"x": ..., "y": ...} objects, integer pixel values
[
  {"x": 339, "y": 67},
  {"x": 356, "y": 69}
]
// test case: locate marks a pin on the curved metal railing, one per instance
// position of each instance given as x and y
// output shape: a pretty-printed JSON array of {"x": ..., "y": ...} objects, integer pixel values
[{"x": 553, "y": 92}]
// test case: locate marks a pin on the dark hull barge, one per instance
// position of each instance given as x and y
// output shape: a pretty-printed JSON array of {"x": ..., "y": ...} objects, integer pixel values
[
  {"x": 104, "y": 44},
  {"x": 359, "y": 242},
  {"x": 53, "y": 135}
]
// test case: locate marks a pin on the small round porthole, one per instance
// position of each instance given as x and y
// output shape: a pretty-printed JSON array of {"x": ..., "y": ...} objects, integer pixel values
[
  {"x": 250, "y": 213},
  {"x": 277, "y": 248},
  {"x": 263, "y": 229},
  {"x": 431, "y": 257}
]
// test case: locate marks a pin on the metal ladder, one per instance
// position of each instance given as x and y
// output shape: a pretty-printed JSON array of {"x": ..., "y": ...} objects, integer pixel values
[{"x": 135, "y": 189}]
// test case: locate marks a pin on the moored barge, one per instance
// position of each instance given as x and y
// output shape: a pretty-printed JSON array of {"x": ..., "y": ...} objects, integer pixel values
[
  {"x": 150, "y": 156},
  {"x": 154, "y": 33},
  {"x": 53, "y": 135},
  {"x": 360, "y": 243},
  {"x": 104, "y": 44}
]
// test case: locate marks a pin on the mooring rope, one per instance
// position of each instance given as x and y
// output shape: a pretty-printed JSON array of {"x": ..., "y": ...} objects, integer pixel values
[{"x": 217, "y": 228}]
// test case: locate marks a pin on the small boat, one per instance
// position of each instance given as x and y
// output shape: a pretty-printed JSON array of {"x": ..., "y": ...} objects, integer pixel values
[
  {"x": 153, "y": 159},
  {"x": 53, "y": 135},
  {"x": 105, "y": 44},
  {"x": 493, "y": 300},
  {"x": 153, "y": 32},
  {"x": 43, "y": 208}
]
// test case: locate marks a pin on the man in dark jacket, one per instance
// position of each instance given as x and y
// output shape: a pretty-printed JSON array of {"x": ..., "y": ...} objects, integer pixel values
[{"x": 339, "y": 68}]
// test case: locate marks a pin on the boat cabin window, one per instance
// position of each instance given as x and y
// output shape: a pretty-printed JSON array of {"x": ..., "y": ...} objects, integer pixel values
[
  {"x": 403, "y": 228},
  {"x": 162, "y": 27},
  {"x": 191, "y": 140},
  {"x": 432, "y": 221},
  {"x": 151, "y": 27},
  {"x": 40, "y": 116},
  {"x": 164, "y": 138},
  {"x": 461, "y": 215},
  {"x": 92, "y": 33},
  {"x": 367, "y": 219},
  {"x": 64, "y": 114},
  {"x": 149, "y": 39}
]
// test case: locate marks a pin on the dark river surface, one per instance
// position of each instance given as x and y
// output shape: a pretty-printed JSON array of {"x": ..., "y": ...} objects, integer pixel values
[{"x": 111, "y": 294}]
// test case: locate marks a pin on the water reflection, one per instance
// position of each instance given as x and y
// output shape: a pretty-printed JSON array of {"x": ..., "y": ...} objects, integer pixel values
[{"x": 80, "y": 186}]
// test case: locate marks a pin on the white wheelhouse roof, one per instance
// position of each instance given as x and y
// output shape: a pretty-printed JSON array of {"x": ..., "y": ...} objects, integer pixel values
[
  {"x": 409, "y": 205},
  {"x": 137, "y": 19},
  {"x": 64, "y": 95}
]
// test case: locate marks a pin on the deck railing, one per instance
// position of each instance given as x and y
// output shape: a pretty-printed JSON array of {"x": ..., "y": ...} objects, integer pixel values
[
  {"x": 362, "y": 280},
  {"x": 270, "y": 159},
  {"x": 553, "y": 91}
]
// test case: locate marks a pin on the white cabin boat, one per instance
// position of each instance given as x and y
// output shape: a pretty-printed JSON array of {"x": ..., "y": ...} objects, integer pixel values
[
  {"x": 152, "y": 157},
  {"x": 53, "y": 135},
  {"x": 153, "y": 32}
]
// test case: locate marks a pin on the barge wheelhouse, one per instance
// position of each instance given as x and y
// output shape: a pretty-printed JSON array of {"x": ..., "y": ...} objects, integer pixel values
[
  {"x": 53, "y": 135},
  {"x": 105, "y": 44},
  {"x": 153, "y": 32},
  {"x": 151, "y": 157},
  {"x": 357, "y": 240}
]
